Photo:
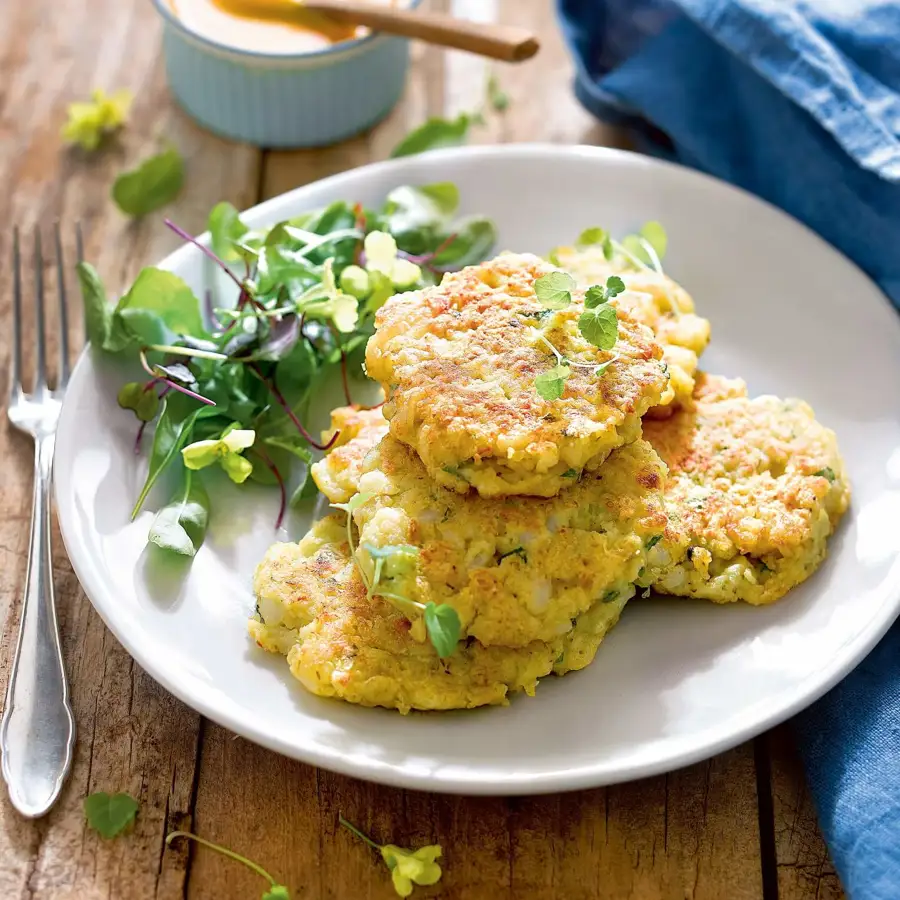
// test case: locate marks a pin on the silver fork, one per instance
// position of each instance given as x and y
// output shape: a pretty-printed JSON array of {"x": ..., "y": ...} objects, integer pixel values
[{"x": 37, "y": 731}]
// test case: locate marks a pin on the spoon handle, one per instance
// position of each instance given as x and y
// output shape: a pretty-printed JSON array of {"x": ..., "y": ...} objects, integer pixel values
[{"x": 508, "y": 43}]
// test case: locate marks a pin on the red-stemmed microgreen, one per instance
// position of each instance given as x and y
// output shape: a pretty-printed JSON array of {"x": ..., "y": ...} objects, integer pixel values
[{"x": 255, "y": 364}]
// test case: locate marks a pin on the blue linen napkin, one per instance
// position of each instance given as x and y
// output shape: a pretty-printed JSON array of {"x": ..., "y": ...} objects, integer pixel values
[{"x": 797, "y": 101}]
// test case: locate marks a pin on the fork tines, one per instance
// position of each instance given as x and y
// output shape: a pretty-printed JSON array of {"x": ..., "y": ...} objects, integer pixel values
[{"x": 41, "y": 378}]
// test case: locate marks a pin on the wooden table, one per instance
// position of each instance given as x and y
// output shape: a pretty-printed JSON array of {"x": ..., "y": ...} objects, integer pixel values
[{"x": 739, "y": 826}]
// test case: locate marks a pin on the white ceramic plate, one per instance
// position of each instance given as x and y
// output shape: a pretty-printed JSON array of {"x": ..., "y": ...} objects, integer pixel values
[{"x": 677, "y": 680}]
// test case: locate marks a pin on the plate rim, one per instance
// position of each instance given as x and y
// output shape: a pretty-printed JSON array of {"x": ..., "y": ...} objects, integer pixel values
[{"x": 702, "y": 745}]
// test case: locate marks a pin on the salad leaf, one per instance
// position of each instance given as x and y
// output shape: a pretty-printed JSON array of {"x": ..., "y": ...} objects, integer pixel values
[
  {"x": 154, "y": 183},
  {"x": 472, "y": 241},
  {"x": 171, "y": 435},
  {"x": 434, "y": 134},
  {"x": 180, "y": 526},
  {"x": 159, "y": 306},
  {"x": 97, "y": 311},
  {"x": 226, "y": 229},
  {"x": 110, "y": 814},
  {"x": 497, "y": 97},
  {"x": 142, "y": 402}
]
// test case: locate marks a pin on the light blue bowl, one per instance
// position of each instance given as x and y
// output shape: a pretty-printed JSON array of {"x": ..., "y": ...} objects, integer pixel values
[{"x": 306, "y": 100}]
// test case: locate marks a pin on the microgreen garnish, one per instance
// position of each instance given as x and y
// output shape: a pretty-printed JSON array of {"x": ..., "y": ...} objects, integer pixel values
[
  {"x": 391, "y": 561},
  {"x": 91, "y": 121},
  {"x": 653, "y": 541},
  {"x": 275, "y": 891},
  {"x": 408, "y": 867},
  {"x": 154, "y": 183},
  {"x": 597, "y": 294},
  {"x": 827, "y": 473},
  {"x": 554, "y": 290},
  {"x": 598, "y": 324},
  {"x": 649, "y": 245},
  {"x": 496, "y": 96},
  {"x": 596, "y": 235},
  {"x": 110, "y": 814},
  {"x": 299, "y": 301},
  {"x": 551, "y": 384}
]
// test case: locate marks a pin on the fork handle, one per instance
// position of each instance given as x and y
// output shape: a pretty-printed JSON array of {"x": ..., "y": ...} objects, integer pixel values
[{"x": 37, "y": 731}]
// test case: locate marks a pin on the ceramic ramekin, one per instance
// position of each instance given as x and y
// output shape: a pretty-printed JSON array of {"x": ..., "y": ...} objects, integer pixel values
[{"x": 306, "y": 100}]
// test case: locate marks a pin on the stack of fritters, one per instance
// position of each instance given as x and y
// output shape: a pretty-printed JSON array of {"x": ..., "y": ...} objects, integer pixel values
[{"x": 537, "y": 520}]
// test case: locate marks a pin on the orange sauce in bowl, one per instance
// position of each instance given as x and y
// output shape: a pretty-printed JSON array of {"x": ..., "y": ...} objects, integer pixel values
[{"x": 263, "y": 26}]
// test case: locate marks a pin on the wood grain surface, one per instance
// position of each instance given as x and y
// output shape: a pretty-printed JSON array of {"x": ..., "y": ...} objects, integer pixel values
[{"x": 739, "y": 827}]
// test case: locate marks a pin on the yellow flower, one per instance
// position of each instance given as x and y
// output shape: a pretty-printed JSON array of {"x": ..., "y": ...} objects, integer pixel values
[
  {"x": 89, "y": 122},
  {"x": 412, "y": 867},
  {"x": 226, "y": 451},
  {"x": 408, "y": 867},
  {"x": 382, "y": 258}
]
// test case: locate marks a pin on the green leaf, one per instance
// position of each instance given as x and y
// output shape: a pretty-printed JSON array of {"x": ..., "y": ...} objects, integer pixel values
[
  {"x": 180, "y": 526},
  {"x": 305, "y": 490},
  {"x": 167, "y": 298},
  {"x": 554, "y": 290},
  {"x": 655, "y": 235},
  {"x": 474, "y": 238},
  {"x": 827, "y": 472},
  {"x": 294, "y": 445},
  {"x": 614, "y": 286},
  {"x": 97, "y": 310},
  {"x": 433, "y": 134},
  {"x": 418, "y": 217},
  {"x": 497, "y": 97},
  {"x": 277, "y": 892},
  {"x": 602, "y": 367},
  {"x": 154, "y": 183},
  {"x": 600, "y": 326},
  {"x": 651, "y": 233},
  {"x": 110, "y": 814},
  {"x": 226, "y": 228},
  {"x": 142, "y": 402},
  {"x": 170, "y": 436},
  {"x": 354, "y": 502},
  {"x": 551, "y": 384},
  {"x": 594, "y": 296},
  {"x": 443, "y": 625},
  {"x": 590, "y": 236}
]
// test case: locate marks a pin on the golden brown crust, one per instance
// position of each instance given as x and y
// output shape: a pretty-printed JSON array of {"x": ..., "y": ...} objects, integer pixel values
[
  {"x": 337, "y": 474},
  {"x": 515, "y": 569},
  {"x": 656, "y": 301},
  {"x": 755, "y": 488},
  {"x": 341, "y": 643},
  {"x": 459, "y": 361}
]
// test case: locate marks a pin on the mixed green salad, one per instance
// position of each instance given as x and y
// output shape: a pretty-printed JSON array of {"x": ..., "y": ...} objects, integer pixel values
[{"x": 228, "y": 379}]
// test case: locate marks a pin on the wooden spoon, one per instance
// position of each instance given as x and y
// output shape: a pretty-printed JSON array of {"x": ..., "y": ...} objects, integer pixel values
[{"x": 508, "y": 43}]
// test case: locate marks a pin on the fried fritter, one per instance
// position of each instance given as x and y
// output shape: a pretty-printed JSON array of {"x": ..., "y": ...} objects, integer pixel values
[
  {"x": 337, "y": 474},
  {"x": 458, "y": 364},
  {"x": 654, "y": 300},
  {"x": 516, "y": 570},
  {"x": 755, "y": 489},
  {"x": 339, "y": 642}
]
